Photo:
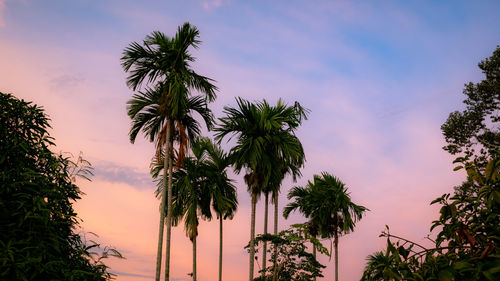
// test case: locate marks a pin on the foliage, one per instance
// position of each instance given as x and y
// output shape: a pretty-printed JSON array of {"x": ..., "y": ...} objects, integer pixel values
[
  {"x": 37, "y": 189},
  {"x": 475, "y": 130},
  {"x": 293, "y": 261},
  {"x": 467, "y": 244},
  {"x": 326, "y": 202},
  {"x": 204, "y": 173},
  {"x": 265, "y": 135}
]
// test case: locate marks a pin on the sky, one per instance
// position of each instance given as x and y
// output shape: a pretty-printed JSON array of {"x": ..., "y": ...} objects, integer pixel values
[{"x": 380, "y": 77}]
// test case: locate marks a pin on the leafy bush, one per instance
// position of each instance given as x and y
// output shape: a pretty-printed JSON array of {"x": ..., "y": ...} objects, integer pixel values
[
  {"x": 37, "y": 220},
  {"x": 293, "y": 262}
]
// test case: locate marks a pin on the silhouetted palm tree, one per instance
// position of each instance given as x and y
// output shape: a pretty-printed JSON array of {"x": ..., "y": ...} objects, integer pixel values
[
  {"x": 264, "y": 134},
  {"x": 224, "y": 197},
  {"x": 164, "y": 64},
  {"x": 192, "y": 193},
  {"x": 327, "y": 204}
]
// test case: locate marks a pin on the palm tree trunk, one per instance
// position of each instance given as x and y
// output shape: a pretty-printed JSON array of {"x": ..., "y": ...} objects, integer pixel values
[
  {"x": 169, "y": 201},
  {"x": 194, "y": 258},
  {"x": 336, "y": 246},
  {"x": 252, "y": 237},
  {"x": 220, "y": 248},
  {"x": 275, "y": 195},
  {"x": 162, "y": 208},
  {"x": 314, "y": 255},
  {"x": 264, "y": 250}
]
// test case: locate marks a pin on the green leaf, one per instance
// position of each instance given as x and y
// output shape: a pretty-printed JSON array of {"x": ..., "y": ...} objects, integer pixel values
[
  {"x": 461, "y": 265},
  {"x": 445, "y": 275},
  {"x": 496, "y": 196}
]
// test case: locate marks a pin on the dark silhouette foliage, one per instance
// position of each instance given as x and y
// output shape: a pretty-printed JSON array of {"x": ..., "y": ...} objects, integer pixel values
[
  {"x": 293, "y": 261},
  {"x": 37, "y": 220}
]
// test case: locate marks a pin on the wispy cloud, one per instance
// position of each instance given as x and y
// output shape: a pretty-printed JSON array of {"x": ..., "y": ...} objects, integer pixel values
[
  {"x": 65, "y": 82},
  {"x": 213, "y": 4},
  {"x": 112, "y": 172}
]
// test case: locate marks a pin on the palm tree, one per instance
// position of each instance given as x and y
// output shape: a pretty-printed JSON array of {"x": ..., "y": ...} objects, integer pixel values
[
  {"x": 380, "y": 267},
  {"x": 224, "y": 197},
  {"x": 164, "y": 64},
  {"x": 338, "y": 214},
  {"x": 264, "y": 133},
  {"x": 192, "y": 195},
  {"x": 327, "y": 204}
]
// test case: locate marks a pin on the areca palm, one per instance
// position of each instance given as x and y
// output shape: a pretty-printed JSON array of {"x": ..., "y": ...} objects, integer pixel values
[
  {"x": 162, "y": 64},
  {"x": 327, "y": 204},
  {"x": 264, "y": 134},
  {"x": 380, "y": 267},
  {"x": 224, "y": 197},
  {"x": 192, "y": 195}
]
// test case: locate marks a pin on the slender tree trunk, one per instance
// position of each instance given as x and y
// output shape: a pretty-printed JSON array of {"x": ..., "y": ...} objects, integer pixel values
[
  {"x": 275, "y": 267},
  {"x": 169, "y": 201},
  {"x": 194, "y": 259},
  {"x": 336, "y": 246},
  {"x": 314, "y": 255},
  {"x": 252, "y": 237},
  {"x": 220, "y": 248},
  {"x": 162, "y": 207},
  {"x": 264, "y": 250}
]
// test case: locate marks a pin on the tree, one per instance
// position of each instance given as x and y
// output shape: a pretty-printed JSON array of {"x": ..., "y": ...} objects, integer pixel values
[
  {"x": 467, "y": 245},
  {"x": 327, "y": 204},
  {"x": 192, "y": 195},
  {"x": 164, "y": 63},
  {"x": 265, "y": 133},
  {"x": 202, "y": 182},
  {"x": 475, "y": 130},
  {"x": 37, "y": 190},
  {"x": 224, "y": 197},
  {"x": 338, "y": 214},
  {"x": 293, "y": 262}
]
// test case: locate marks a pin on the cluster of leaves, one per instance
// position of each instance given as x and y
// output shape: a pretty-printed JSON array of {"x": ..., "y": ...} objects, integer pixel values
[
  {"x": 37, "y": 220},
  {"x": 475, "y": 130},
  {"x": 467, "y": 245},
  {"x": 466, "y": 248},
  {"x": 293, "y": 260}
]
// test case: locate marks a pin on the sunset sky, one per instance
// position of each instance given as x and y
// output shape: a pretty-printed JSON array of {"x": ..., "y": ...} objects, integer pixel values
[{"x": 380, "y": 77}]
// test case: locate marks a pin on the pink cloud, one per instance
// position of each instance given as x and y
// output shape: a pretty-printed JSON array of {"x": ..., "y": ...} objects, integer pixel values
[{"x": 213, "y": 4}]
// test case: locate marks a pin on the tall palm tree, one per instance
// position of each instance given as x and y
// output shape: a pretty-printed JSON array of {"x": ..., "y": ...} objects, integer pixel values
[
  {"x": 264, "y": 133},
  {"x": 192, "y": 195},
  {"x": 224, "y": 197},
  {"x": 338, "y": 214},
  {"x": 163, "y": 63}
]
